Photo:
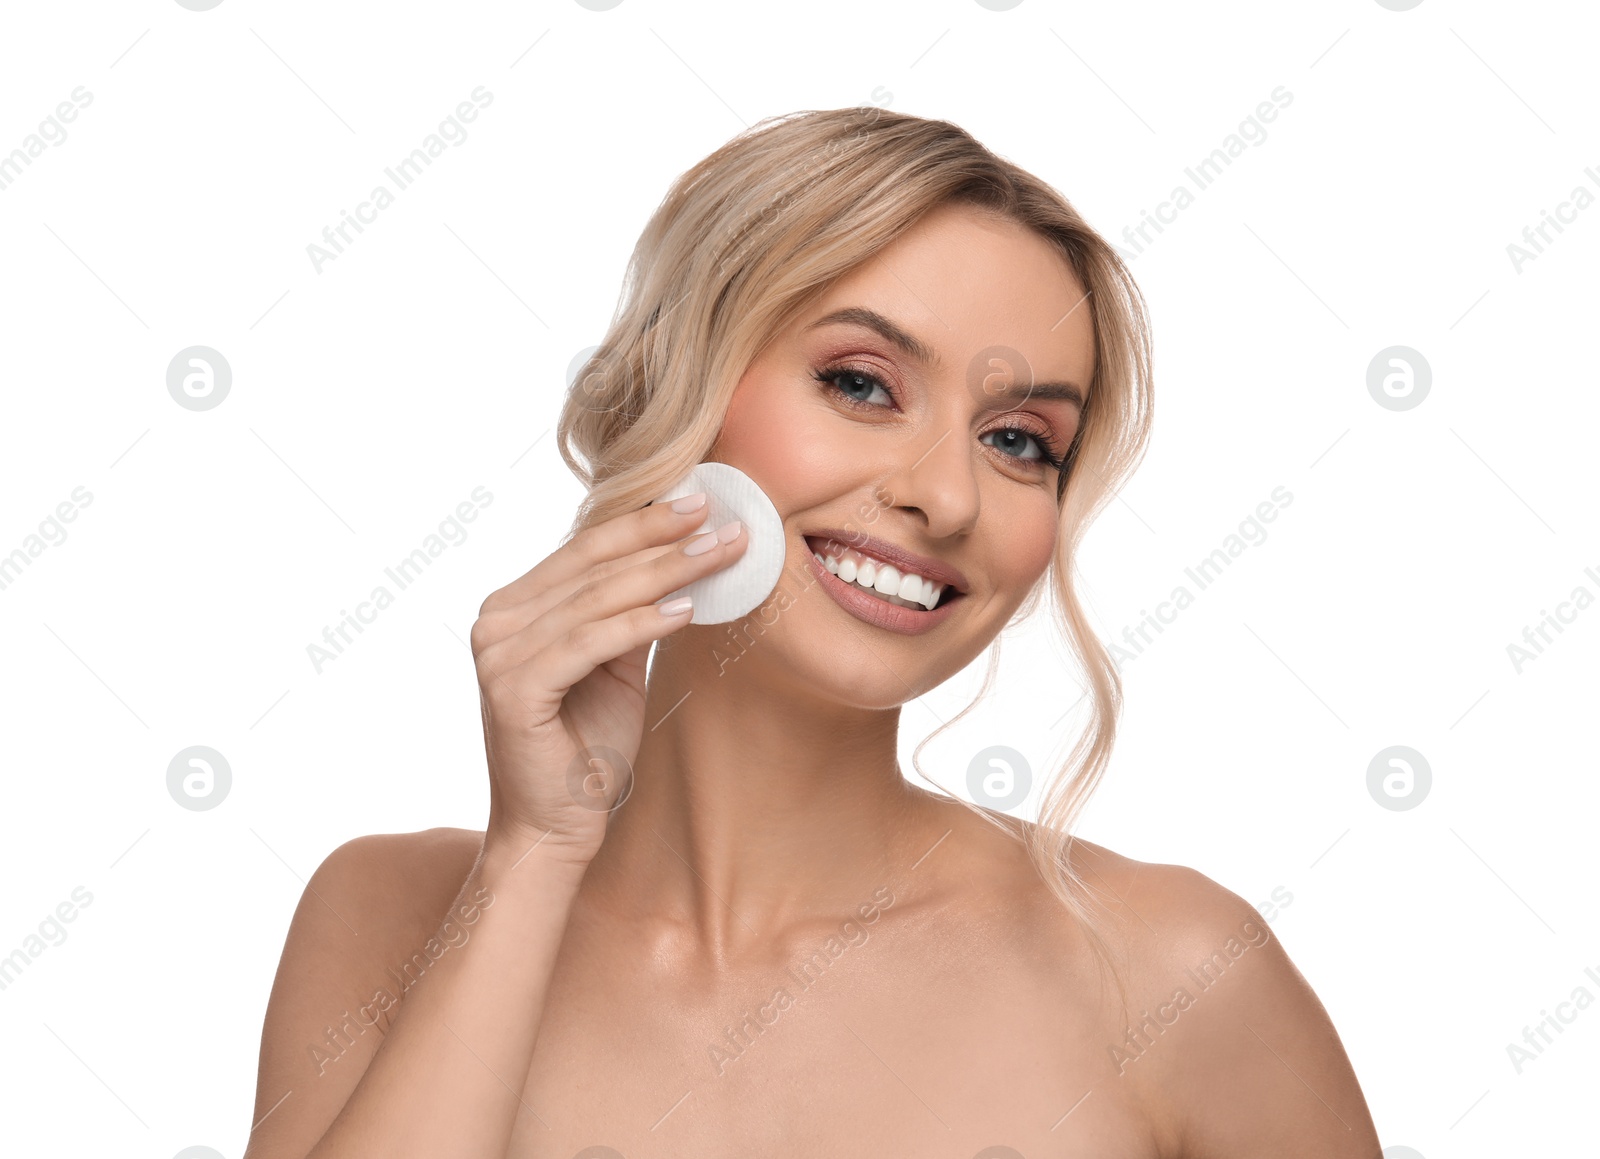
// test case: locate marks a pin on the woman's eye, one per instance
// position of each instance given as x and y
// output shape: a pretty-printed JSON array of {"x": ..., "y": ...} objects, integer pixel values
[
  {"x": 1021, "y": 438},
  {"x": 858, "y": 387},
  {"x": 854, "y": 384}
]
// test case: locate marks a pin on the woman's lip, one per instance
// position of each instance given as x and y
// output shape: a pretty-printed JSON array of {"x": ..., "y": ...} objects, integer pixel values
[{"x": 853, "y": 599}]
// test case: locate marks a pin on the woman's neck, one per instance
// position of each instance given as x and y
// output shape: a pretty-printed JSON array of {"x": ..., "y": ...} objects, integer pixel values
[{"x": 756, "y": 806}]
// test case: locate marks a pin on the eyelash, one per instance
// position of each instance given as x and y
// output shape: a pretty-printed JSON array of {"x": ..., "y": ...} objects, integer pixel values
[{"x": 1050, "y": 448}]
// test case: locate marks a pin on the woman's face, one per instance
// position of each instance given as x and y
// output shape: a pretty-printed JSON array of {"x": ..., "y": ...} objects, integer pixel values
[{"x": 921, "y": 449}]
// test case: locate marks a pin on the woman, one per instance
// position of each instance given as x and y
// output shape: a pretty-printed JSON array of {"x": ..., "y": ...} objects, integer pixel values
[{"x": 708, "y": 914}]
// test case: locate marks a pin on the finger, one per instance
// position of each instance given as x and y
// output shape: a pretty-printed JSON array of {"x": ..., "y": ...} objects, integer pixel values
[
  {"x": 592, "y": 643},
  {"x": 600, "y": 545},
  {"x": 604, "y": 597}
]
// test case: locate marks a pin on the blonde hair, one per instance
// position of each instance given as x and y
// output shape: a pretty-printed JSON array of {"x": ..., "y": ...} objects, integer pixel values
[{"x": 741, "y": 245}]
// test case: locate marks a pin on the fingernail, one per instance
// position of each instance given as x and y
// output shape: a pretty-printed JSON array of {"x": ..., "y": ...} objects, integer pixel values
[
  {"x": 728, "y": 532},
  {"x": 676, "y": 607},
  {"x": 689, "y": 503},
  {"x": 704, "y": 543}
]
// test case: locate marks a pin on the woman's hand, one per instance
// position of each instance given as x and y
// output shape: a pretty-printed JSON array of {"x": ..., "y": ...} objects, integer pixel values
[{"x": 560, "y": 654}]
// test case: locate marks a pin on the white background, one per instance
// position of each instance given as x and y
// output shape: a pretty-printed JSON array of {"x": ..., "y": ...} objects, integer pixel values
[{"x": 370, "y": 398}]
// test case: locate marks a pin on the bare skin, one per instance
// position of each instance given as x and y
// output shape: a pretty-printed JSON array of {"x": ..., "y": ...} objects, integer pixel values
[{"x": 776, "y": 944}]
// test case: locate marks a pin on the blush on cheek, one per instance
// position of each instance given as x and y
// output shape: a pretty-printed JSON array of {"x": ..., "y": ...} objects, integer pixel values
[
  {"x": 774, "y": 437},
  {"x": 1025, "y": 551}
]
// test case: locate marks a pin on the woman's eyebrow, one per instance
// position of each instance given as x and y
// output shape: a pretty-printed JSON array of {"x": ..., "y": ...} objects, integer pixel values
[
  {"x": 872, "y": 320},
  {"x": 925, "y": 354},
  {"x": 1019, "y": 393}
]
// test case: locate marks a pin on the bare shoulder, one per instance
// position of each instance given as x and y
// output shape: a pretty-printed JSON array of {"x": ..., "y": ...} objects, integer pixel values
[
  {"x": 1235, "y": 1052},
  {"x": 371, "y": 918},
  {"x": 391, "y": 877}
]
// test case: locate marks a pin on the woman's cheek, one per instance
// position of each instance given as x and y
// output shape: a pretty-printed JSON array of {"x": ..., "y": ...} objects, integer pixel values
[
  {"x": 787, "y": 446},
  {"x": 1026, "y": 552}
]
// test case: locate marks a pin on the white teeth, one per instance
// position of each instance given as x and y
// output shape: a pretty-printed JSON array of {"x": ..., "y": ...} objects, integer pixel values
[{"x": 906, "y": 589}]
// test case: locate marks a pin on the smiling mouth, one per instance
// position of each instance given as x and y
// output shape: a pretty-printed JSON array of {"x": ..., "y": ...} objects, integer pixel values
[{"x": 879, "y": 579}]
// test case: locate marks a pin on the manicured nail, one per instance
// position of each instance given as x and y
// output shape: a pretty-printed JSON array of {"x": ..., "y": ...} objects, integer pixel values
[
  {"x": 689, "y": 503},
  {"x": 676, "y": 607},
  {"x": 728, "y": 532},
  {"x": 704, "y": 543}
]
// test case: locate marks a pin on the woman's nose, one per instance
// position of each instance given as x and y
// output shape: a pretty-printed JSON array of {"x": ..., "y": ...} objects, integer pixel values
[{"x": 934, "y": 474}]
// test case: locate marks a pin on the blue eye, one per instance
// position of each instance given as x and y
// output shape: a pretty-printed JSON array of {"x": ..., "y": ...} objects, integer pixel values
[
  {"x": 856, "y": 381},
  {"x": 1038, "y": 441},
  {"x": 858, "y": 386}
]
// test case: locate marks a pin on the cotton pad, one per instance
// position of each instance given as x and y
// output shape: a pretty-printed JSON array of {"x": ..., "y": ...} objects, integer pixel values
[{"x": 739, "y": 588}]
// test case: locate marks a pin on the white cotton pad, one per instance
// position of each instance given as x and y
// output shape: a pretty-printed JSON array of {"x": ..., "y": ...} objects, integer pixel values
[{"x": 739, "y": 588}]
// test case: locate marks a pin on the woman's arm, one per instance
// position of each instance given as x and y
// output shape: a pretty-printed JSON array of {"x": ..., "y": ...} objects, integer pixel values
[
  {"x": 560, "y": 655},
  {"x": 400, "y": 1024}
]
